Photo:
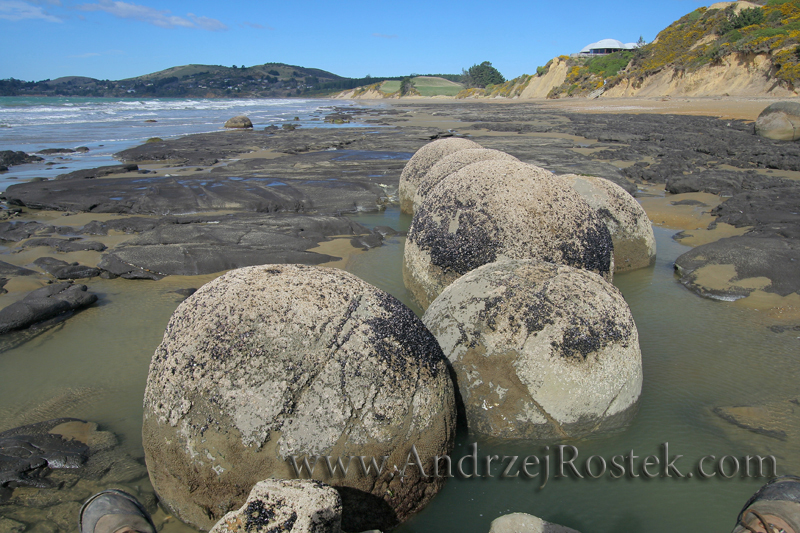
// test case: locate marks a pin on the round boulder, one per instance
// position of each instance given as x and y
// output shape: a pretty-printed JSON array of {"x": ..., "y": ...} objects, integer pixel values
[
  {"x": 627, "y": 221},
  {"x": 240, "y": 122},
  {"x": 453, "y": 163},
  {"x": 539, "y": 350},
  {"x": 267, "y": 367},
  {"x": 780, "y": 121},
  {"x": 421, "y": 162},
  {"x": 500, "y": 209}
]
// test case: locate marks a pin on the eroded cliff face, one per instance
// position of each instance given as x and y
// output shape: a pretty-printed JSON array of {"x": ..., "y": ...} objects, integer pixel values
[
  {"x": 735, "y": 75},
  {"x": 539, "y": 87}
]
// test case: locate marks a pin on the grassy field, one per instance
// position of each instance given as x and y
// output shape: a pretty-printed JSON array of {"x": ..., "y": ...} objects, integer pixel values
[{"x": 427, "y": 86}]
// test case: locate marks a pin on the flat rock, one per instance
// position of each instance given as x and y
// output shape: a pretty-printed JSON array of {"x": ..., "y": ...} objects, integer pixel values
[
  {"x": 43, "y": 304},
  {"x": 66, "y": 245},
  {"x": 8, "y": 270},
  {"x": 9, "y": 158},
  {"x": 733, "y": 267},
  {"x": 99, "y": 172},
  {"x": 63, "y": 270}
]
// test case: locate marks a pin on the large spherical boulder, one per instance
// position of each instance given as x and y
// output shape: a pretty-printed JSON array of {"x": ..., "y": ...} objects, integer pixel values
[
  {"x": 500, "y": 209},
  {"x": 240, "y": 122},
  {"x": 539, "y": 350},
  {"x": 453, "y": 163},
  {"x": 627, "y": 221},
  {"x": 780, "y": 121},
  {"x": 422, "y": 160},
  {"x": 272, "y": 362}
]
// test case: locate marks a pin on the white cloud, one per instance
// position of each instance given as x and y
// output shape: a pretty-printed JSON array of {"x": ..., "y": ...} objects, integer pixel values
[
  {"x": 18, "y": 10},
  {"x": 156, "y": 17}
]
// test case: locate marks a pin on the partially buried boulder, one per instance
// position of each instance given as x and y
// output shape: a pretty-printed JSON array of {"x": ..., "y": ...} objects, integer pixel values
[
  {"x": 453, "y": 163},
  {"x": 240, "y": 122},
  {"x": 630, "y": 228},
  {"x": 780, "y": 121},
  {"x": 422, "y": 160},
  {"x": 44, "y": 304},
  {"x": 500, "y": 209},
  {"x": 540, "y": 351},
  {"x": 525, "y": 523},
  {"x": 269, "y": 363},
  {"x": 296, "y": 506}
]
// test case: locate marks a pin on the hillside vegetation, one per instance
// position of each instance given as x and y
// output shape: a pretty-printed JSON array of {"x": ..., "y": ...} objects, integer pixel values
[{"x": 703, "y": 38}]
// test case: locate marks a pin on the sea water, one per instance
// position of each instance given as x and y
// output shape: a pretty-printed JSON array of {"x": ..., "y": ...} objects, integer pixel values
[{"x": 109, "y": 125}]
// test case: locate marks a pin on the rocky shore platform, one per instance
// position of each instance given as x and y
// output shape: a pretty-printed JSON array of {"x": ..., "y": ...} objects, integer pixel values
[{"x": 211, "y": 202}]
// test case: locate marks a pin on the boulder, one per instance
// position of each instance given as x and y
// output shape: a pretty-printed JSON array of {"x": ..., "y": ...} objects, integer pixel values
[
  {"x": 9, "y": 158},
  {"x": 500, "y": 209},
  {"x": 453, "y": 163},
  {"x": 296, "y": 506},
  {"x": 540, "y": 351},
  {"x": 275, "y": 363},
  {"x": 422, "y": 160},
  {"x": 626, "y": 220},
  {"x": 240, "y": 122},
  {"x": 780, "y": 121},
  {"x": 43, "y": 304},
  {"x": 525, "y": 523}
]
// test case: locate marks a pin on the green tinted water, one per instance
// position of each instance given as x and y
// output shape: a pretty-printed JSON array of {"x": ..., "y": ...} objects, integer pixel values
[{"x": 697, "y": 354}]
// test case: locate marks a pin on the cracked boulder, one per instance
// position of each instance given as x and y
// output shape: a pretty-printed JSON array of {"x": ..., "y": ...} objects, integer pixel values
[
  {"x": 453, "y": 163},
  {"x": 422, "y": 161},
  {"x": 296, "y": 506},
  {"x": 630, "y": 228},
  {"x": 540, "y": 351},
  {"x": 274, "y": 362},
  {"x": 494, "y": 210}
]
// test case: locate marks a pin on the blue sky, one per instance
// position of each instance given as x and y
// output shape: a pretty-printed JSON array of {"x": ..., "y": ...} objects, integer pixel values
[{"x": 109, "y": 39}]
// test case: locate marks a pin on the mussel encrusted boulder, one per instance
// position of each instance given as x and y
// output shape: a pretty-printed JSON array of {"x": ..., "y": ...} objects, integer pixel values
[
  {"x": 631, "y": 230},
  {"x": 240, "y": 122},
  {"x": 500, "y": 209},
  {"x": 422, "y": 160},
  {"x": 780, "y": 121},
  {"x": 291, "y": 505},
  {"x": 539, "y": 350},
  {"x": 274, "y": 361},
  {"x": 453, "y": 163}
]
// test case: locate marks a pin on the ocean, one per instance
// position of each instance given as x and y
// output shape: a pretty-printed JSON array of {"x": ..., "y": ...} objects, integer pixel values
[{"x": 109, "y": 125}]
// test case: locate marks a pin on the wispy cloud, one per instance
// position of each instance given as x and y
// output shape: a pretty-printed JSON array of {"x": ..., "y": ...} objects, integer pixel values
[
  {"x": 384, "y": 36},
  {"x": 19, "y": 10},
  {"x": 256, "y": 26},
  {"x": 156, "y": 17}
]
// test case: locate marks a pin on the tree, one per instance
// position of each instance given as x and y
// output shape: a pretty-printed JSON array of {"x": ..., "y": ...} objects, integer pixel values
[
  {"x": 481, "y": 75},
  {"x": 641, "y": 42},
  {"x": 406, "y": 86}
]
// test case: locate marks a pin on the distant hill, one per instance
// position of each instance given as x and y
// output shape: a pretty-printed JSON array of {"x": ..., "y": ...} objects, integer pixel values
[
  {"x": 419, "y": 86},
  {"x": 270, "y": 80}
]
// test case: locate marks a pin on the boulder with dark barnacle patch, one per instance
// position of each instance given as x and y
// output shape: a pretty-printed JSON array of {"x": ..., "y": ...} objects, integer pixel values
[
  {"x": 779, "y": 121},
  {"x": 296, "y": 506},
  {"x": 626, "y": 220},
  {"x": 419, "y": 164},
  {"x": 271, "y": 362},
  {"x": 500, "y": 209},
  {"x": 539, "y": 350}
]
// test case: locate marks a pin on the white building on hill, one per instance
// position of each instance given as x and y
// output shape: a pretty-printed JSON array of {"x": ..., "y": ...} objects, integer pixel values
[{"x": 606, "y": 46}]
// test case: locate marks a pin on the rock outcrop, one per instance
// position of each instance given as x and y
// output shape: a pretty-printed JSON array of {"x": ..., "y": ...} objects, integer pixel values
[
  {"x": 269, "y": 363},
  {"x": 293, "y": 506},
  {"x": 43, "y": 304},
  {"x": 500, "y": 209},
  {"x": 453, "y": 163},
  {"x": 422, "y": 161},
  {"x": 630, "y": 228},
  {"x": 780, "y": 121},
  {"x": 539, "y": 351},
  {"x": 240, "y": 122}
]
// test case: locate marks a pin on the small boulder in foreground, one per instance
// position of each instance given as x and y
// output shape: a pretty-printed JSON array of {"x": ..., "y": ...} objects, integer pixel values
[{"x": 525, "y": 523}]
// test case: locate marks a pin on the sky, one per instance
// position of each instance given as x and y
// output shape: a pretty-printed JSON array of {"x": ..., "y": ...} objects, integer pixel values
[{"x": 107, "y": 39}]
